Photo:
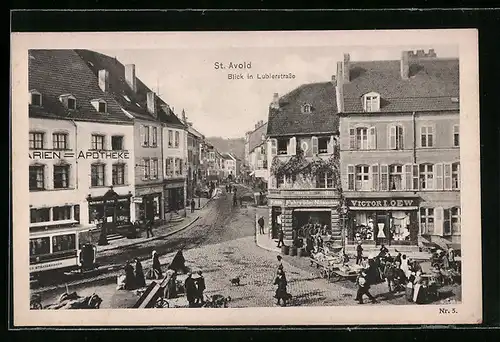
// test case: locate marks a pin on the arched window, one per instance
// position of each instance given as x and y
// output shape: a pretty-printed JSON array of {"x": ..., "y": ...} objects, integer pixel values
[
  {"x": 426, "y": 176},
  {"x": 306, "y": 108}
]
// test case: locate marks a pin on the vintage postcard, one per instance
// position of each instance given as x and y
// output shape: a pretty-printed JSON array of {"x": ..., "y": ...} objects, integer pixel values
[{"x": 246, "y": 178}]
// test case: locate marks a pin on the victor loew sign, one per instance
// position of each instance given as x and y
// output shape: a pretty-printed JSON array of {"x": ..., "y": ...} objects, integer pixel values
[{"x": 382, "y": 202}]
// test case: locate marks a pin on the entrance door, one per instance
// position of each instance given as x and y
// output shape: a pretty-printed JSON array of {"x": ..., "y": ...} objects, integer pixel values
[
  {"x": 381, "y": 228},
  {"x": 275, "y": 212}
]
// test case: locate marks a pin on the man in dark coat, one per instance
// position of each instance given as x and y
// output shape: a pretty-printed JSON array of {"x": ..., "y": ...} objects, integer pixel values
[
  {"x": 140, "y": 281},
  {"x": 281, "y": 236},
  {"x": 359, "y": 253},
  {"x": 149, "y": 228},
  {"x": 193, "y": 205},
  {"x": 129, "y": 277},
  {"x": 200, "y": 284},
  {"x": 157, "y": 273},
  {"x": 261, "y": 224},
  {"x": 178, "y": 264},
  {"x": 363, "y": 288},
  {"x": 191, "y": 291}
]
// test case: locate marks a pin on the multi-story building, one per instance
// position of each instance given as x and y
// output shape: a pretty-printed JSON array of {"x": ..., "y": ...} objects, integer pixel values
[
  {"x": 399, "y": 140},
  {"x": 81, "y": 151},
  {"x": 303, "y": 158},
  {"x": 231, "y": 166},
  {"x": 194, "y": 149},
  {"x": 256, "y": 154},
  {"x": 142, "y": 105}
]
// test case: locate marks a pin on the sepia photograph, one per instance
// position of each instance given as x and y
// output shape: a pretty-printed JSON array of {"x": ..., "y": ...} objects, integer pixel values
[{"x": 299, "y": 177}]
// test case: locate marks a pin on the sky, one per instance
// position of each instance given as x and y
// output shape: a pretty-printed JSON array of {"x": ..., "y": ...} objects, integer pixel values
[{"x": 186, "y": 78}]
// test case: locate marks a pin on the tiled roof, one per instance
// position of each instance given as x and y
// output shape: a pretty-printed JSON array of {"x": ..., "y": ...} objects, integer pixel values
[
  {"x": 57, "y": 72},
  {"x": 289, "y": 119},
  {"x": 137, "y": 106},
  {"x": 255, "y": 137},
  {"x": 431, "y": 85}
]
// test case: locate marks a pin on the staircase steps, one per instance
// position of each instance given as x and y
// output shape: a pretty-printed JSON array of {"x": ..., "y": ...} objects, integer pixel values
[{"x": 114, "y": 237}]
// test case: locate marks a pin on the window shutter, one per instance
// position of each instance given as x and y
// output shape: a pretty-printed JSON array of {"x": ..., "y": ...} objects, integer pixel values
[
  {"x": 352, "y": 139},
  {"x": 141, "y": 129},
  {"x": 273, "y": 147},
  {"x": 145, "y": 168},
  {"x": 152, "y": 168},
  {"x": 423, "y": 130},
  {"x": 330, "y": 145},
  {"x": 375, "y": 178},
  {"x": 438, "y": 176},
  {"x": 314, "y": 141},
  {"x": 292, "y": 144},
  {"x": 447, "y": 176},
  {"x": 384, "y": 177},
  {"x": 407, "y": 177},
  {"x": 377, "y": 103},
  {"x": 392, "y": 137},
  {"x": 438, "y": 221},
  {"x": 350, "y": 177},
  {"x": 415, "y": 173},
  {"x": 372, "y": 138},
  {"x": 447, "y": 222}
]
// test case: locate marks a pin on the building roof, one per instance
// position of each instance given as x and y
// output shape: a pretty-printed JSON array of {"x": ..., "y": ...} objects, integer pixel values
[
  {"x": 227, "y": 156},
  {"x": 431, "y": 86},
  {"x": 137, "y": 106},
  {"x": 289, "y": 118},
  {"x": 57, "y": 72},
  {"x": 255, "y": 137}
]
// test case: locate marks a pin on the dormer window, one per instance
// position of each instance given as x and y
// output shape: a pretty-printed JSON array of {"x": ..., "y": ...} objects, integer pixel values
[
  {"x": 306, "y": 108},
  {"x": 371, "y": 102},
  {"x": 69, "y": 101},
  {"x": 100, "y": 105},
  {"x": 35, "y": 98}
]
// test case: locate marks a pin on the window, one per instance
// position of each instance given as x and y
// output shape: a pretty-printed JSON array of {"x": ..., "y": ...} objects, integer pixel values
[
  {"x": 155, "y": 136},
  {"x": 60, "y": 141},
  {"x": 117, "y": 143},
  {"x": 456, "y": 135},
  {"x": 375, "y": 177},
  {"x": 371, "y": 102},
  {"x": 280, "y": 180},
  {"x": 39, "y": 246},
  {"x": 97, "y": 175},
  {"x": 396, "y": 137},
  {"x": 176, "y": 141},
  {"x": 306, "y": 108},
  {"x": 455, "y": 220},
  {"x": 40, "y": 215},
  {"x": 283, "y": 146},
  {"x": 384, "y": 178},
  {"x": 97, "y": 142},
  {"x": 61, "y": 213},
  {"x": 71, "y": 103},
  {"x": 395, "y": 177},
  {"x": 455, "y": 176},
  {"x": 361, "y": 138},
  {"x": 154, "y": 168},
  {"x": 146, "y": 135},
  {"x": 36, "y": 141},
  {"x": 61, "y": 176},
  {"x": 426, "y": 176},
  {"x": 260, "y": 164},
  {"x": 169, "y": 167},
  {"x": 147, "y": 168},
  {"x": 350, "y": 177},
  {"x": 36, "y": 99},
  {"x": 324, "y": 180},
  {"x": 362, "y": 178},
  {"x": 426, "y": 136},
  {"x": 323, "y": 144},
  {"x": 63, "y": 243},
  {"x": 263, "y": 150},
  {"x": 102, "y": 107},
  {"x": 118, "y": 174},
  {"x": 37, "y": 177},
  {"x": 171, "y": 139},
  {"x": 427, "y": 220}
]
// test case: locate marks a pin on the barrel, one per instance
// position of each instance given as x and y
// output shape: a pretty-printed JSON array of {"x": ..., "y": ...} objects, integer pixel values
[
  {"x": 285, "y": 250},
  {"x": 293, "y": 251}
]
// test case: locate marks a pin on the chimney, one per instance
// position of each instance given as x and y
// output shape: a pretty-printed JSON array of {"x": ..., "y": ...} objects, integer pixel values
[
  {"x": 183, "y": 114},
  {"x": 432, "y": 53},
  {"x": 334, "y": 80},
  {"x": 405, "y": 64},
  {"x": 151, "y": 99},
  {"x": 104, "y": 80},
  {"x": 339, "y": 87},
  {"x": 420, "y": 53},
  {"x": 130, "y": 77},
  {"x": 275, "y": 104},
  {"x": 347, "y": 67}
]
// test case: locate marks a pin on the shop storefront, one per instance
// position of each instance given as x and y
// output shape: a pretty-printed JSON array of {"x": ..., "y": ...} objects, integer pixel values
[
  {"x": 390, "y": 221},
  {"x": 174, "y": 196},
  {"x": 148, "y": 202},
  {"x": 111, "y": 208}
]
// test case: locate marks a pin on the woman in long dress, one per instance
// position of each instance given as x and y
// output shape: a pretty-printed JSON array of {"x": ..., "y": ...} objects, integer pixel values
[
  {"x": 157, "y": 266},
  {"x": 281, "y": 292},
  {"x": 139, "y": 274},
  {"x": 129, "y": 277}
]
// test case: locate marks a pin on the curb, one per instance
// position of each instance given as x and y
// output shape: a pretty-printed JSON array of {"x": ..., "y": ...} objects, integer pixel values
[{"x": 270, "y": 249}]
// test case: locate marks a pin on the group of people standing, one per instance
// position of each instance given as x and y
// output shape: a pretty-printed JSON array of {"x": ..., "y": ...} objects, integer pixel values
[
  {"x": 194, "y": 288},
  {"x": 134, "y": 277}
]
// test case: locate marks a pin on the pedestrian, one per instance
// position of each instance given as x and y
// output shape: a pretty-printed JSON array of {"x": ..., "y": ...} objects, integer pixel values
[
  {"x": 261, "y": 225},
  {"x": 241, "y": 201},
  {"x": 235, "y": 200},
  {"x": 383, "y": 251},
  {"x": 157, "y": 273},
  {"x": 129, "y": 277},
  {"x": 281, "y": 293},
  {"x": 149, "y": 228},
  {"x": 404, "y": 266},
  {"x": 359, "y": 253},
  {"x": 363, "y": 288},
  {"x": 281, "y": 236},
  {"x": 190, "y": 288},
  {"x": 140, "y": 280},
  {"x": 200, "y": 285},
  {"x": 193, "y": 204},
  {"x": 280, "y": 262}
]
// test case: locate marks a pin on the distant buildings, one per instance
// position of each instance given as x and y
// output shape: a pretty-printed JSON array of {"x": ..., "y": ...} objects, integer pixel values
[
  {"x": 232, "y": 165},
  {"x": 256, "y": 154}
]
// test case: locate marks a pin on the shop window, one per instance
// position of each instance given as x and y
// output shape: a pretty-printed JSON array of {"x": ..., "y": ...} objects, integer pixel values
[
  {"x": 97, "y": 142},
  {"x": 426, "y": 136},
  {"x": 283, "y": 146},
  {"x": 61, "y": 176},
  {"x": 426, "y": 176},
  {"x": 37, "y": 177},
  {"x": 455, "y": 176},
  {"x": 61, "y": 213},
  {"x": 427, "y": 220},
  {"x": 400, "y": 224},
  {"x": 40, "y": 215},
  {"x": 60, "y": 141},
  {"x": 63, "y": 243},
  {"x": 39, "y": 246},
  {"x": 362, "y": 178},
  {"x": 97, "y": 175},
  {"x": 117, "y": 143},
  {"x": 36, "y": 140},
  {"x": 364, "y": 223},
  {"x": 118, "y": 176},
  {"x": 395, "y": 177}
]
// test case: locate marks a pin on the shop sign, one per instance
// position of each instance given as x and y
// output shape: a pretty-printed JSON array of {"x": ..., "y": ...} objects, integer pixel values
[
  {"x": 137, "y": 200},
  {"x": 382, "y": 202},
  {"x": 311, "y": 203},
  {"x": 108, "y": 201},
  {"x": 173, "y": 185}
]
